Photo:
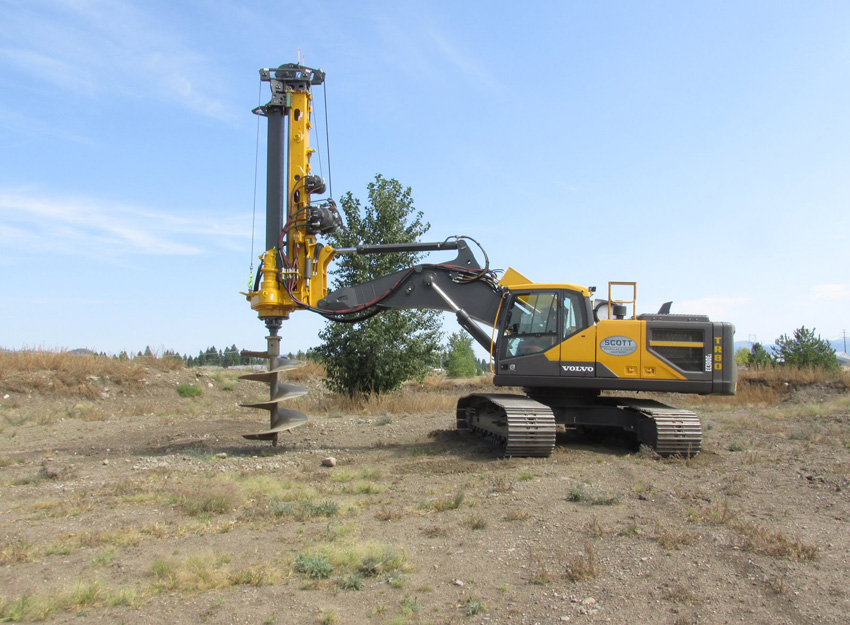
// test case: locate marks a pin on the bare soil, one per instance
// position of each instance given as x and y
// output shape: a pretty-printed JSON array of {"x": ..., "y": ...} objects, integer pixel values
[{"x": 144, "y": 507}]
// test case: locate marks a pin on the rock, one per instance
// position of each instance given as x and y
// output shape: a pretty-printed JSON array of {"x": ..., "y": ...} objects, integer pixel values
[
  {"x": 330, "y": 461},
  {"x": 458, "y": 582},
  {"x": 105, "y": 462},
  {"x": 221, "y": 455}
]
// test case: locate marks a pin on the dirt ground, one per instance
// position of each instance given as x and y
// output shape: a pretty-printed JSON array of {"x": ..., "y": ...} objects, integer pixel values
[{"x": 145, "y": 507}]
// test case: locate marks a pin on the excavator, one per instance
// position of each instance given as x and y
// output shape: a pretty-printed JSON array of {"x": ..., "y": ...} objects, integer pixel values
[{"x": 579, "y": 360}]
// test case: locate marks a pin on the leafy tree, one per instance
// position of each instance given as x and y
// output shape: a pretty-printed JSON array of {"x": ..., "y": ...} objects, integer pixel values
[
  {"x": 461, "y": 361},
  {"x": 805, "y": 349},
  {"x": 742, "y": 356},
  {"x": 377, "y": 355},
  {"x": 759, "y": 356}
]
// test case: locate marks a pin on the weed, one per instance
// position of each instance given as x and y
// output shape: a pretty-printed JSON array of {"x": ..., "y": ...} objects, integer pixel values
[
  {"x": 720, "y": 513},
  {"x": 672, "y": 539},
  {"x": 352, "y": 582},
  {"x": 314, "y": 566},
  {"x": 434, "y": 531},
  {"x": 216, "y": 498},
  {"x": 501, "y": 484},
  {"x": 330, "y": 619},
  {"x": 441, "y": 505},
  {"x": 472, "y": 606},
  {"x": 594, "y": 528},
  {"x": 761, "y": 540},
  {"x": 582, "y": 566},
  {"x": 526, "y": 476},
  {"x": 189, "y": 390},
  {"x": 476, "y": 522},
  {"x": 386, "y": 513},
  {"x": 15, "y": 552},
  {"x": 737, "y": 446},
  {"x": 593, "y": 496},
  {"x": 679, "y": 593},
  {"x": 540, "y": 574},
  {"x": 410, "y": 605},
  {"x": 516, "y": 514},
  {"x": 385, "y": 420}
]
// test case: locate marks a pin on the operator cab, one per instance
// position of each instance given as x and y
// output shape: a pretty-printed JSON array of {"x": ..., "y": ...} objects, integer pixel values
[{"x": 540, "y": 319}]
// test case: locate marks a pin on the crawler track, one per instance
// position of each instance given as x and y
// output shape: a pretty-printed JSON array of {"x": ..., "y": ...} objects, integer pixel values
[
  {"x": 669, "y": 431},
  {"x": 519, "y": 426}
]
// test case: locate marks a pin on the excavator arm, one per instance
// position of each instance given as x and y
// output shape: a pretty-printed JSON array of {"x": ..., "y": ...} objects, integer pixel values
[{"x": 460, "y": 286}]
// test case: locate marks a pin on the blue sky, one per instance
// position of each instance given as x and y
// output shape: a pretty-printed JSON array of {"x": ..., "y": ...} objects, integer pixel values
[{"x": 700, "y": 149}]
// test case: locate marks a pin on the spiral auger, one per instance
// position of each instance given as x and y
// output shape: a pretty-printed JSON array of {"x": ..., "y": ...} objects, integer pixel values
[{"x": 280, "y": 419}]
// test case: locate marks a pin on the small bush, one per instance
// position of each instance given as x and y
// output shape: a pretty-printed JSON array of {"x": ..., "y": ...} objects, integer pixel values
[
  {"x": 314, "y": 566},
  {"x": 352, "y": 582},
  {"x": 189, "y": 390}
]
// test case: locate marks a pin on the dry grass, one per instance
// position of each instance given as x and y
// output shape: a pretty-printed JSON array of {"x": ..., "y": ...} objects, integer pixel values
[
  {"x": 764, "y": 541},
  {"x": 755, "y": 538},
  {"x": 680, "y": 593},
  {"x": 770, "y": 385},
  {"x": 208, "y": 571},
  {"x": 64, "y": 373},
  {"x": 672, "y": 539},
  {"x": 581, "y": 566}
]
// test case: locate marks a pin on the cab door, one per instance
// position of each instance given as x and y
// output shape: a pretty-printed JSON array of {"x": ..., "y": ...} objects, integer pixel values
[
  {"x": 577, "y": 351},
  {"x": 529, "y": 344}
]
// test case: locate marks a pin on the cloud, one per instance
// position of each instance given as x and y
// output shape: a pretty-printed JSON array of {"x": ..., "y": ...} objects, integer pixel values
[
  {"x": 831, "y": 291},
  {"x": 101, "y": 48},
  {"x": 91, "y": 226}
]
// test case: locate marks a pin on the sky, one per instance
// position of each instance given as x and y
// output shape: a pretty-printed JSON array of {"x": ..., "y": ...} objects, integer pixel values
[{"x": 699, "y": 149}]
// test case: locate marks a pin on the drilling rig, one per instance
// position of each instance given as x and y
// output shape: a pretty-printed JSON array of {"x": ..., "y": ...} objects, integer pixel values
[{"x": 565, "y": 348}]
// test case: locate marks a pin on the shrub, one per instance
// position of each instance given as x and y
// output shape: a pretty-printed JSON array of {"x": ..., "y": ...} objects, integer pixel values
[{"x": 189, "y": 390}]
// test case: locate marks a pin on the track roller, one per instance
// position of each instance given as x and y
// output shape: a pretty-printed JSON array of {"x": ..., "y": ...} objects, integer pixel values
[{"x": 280, "y": 419}]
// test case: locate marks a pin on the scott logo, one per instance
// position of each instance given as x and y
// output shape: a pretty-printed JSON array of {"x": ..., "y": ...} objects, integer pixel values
[{"x": 618, "y": 345}]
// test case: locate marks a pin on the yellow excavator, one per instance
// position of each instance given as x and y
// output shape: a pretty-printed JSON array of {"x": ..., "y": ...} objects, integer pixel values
[{"x": 558, "y": 343}]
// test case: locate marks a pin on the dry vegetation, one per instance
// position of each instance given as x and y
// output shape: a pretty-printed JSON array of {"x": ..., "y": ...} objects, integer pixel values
[{"x": 124, "y": 500}]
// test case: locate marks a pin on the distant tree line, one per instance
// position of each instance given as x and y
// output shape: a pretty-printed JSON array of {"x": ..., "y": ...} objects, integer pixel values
[{"x": 209, "y": 357}]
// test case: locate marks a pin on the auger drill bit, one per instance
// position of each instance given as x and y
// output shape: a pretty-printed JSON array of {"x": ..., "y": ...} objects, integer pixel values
[{"x": 280, "y": 419}]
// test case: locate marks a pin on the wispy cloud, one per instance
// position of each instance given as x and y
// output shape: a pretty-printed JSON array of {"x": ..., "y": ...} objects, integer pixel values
[
  {"x": 422, "y": 50},
  {"x": 94, "y": 47},
  {"x": 831, "y": 291},
  {"x": 87, "y": 226}
]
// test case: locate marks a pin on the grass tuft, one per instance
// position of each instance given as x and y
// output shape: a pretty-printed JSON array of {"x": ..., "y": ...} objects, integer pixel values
[{"x": 189, "y": 390}]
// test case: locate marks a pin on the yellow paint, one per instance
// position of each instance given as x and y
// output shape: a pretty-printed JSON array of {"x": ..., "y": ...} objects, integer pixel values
[
  {"x": 676, "y": 344},
  {"x": 512, "y": 277},
  {"x": 307, "y": 261},
  {"x": 580, "y": 347}
]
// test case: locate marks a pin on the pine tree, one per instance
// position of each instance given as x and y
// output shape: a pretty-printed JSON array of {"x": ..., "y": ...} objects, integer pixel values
[
  {"x": 377, "y": 355},
  {"x": 805, "y": 349},
  {"x": 758, "y": 356}
]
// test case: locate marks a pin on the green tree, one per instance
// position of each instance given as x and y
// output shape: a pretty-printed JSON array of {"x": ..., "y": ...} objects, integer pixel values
[
  {"x": 804, "y": 349},
  {"x": 742, "y": 356},
  {"x": 460, "y": 361},
  {"x": 377, "y": 355},
  {"x": 758, "y": 356}
]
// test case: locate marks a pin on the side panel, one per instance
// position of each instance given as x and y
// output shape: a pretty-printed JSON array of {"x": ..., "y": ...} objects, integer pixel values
[{"x": 618, "y": 348}]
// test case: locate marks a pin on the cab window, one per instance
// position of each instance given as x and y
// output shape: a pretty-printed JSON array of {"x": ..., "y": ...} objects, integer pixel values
[
  {"x": 575, "y": 314},
  {"x": 532, "y": 325}
]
